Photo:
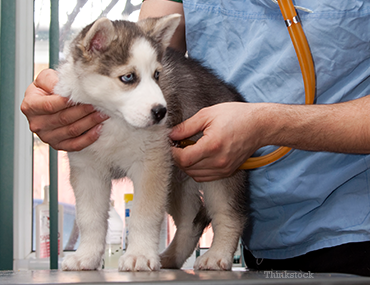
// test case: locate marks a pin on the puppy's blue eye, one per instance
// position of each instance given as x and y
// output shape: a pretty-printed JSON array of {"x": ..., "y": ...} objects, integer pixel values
[
  {"x": 156, "y": 75},
  {"x": 128, "y": 78}
]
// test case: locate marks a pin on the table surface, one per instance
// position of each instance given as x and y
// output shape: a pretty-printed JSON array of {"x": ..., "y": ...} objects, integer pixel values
[{"x": 239, "y": 276}]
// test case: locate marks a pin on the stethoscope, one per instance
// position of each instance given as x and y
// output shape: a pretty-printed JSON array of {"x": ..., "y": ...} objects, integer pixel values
[
  {"x": 308, "y": 73},
  {"x": 302, "y": 49}
]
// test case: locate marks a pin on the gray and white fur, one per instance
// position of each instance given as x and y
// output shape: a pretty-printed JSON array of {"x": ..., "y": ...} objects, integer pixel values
[{"x": 127, "y": 72}]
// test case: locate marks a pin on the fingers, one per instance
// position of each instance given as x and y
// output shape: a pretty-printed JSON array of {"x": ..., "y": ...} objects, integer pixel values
[
  {"x": 80, "y": 142},
  {"x": 73, "y": 132},
  {"x": 193, "y": 154},
  {"x": 43, "y": 105},
  {"x": 63, "y": 118},
  {"x": 190, "y": 127},
  {"x": 203, "y": 162},
  {"x": 46, "y": 80}
]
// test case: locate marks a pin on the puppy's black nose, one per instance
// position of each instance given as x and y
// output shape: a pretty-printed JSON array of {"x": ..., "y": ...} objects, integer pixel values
[{"x": 158, "y": 113}]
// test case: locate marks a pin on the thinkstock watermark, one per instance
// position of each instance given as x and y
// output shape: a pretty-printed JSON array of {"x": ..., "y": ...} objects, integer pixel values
[{"x": 287, "y": 275}]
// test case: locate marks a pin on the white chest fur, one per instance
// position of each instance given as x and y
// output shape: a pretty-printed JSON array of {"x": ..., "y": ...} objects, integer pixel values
[{"x": 120, "y": 146}]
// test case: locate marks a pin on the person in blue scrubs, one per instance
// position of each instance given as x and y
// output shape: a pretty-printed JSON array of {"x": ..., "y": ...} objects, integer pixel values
[{"x": 310, "y": 209}]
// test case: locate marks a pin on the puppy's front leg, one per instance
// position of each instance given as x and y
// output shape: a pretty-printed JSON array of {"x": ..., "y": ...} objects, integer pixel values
[
  {"x": 150, "y": 185},
  {"x": 92, "y": 192}
]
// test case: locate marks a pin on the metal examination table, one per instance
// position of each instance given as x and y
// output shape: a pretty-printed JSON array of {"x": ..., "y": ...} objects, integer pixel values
[{"x": 183, "y": 277}]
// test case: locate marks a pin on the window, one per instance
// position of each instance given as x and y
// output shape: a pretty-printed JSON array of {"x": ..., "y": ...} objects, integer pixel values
[{"x": 73, "y": 15}]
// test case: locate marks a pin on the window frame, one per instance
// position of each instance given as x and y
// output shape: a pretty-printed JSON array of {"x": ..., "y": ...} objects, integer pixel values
[
  {"x": 24, "y": 258},
  {"x": 7, "y": 90},
  {"x": 23, "y": 138}
]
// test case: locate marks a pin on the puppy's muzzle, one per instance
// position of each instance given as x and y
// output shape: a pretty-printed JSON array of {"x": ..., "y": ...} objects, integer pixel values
[{"x": 158, "y": 113}]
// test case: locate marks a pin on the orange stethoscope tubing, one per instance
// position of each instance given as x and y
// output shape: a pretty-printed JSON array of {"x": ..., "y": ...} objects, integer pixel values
[
  {"x": 308, "y": 73},
  {"x": 303, "y": 52}
]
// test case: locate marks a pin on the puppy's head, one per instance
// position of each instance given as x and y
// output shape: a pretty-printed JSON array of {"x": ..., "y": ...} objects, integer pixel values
[{"x": 118, "y": 65}]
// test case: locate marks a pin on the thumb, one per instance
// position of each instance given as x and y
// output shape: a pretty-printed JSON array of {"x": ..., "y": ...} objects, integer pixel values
[
  {"x": 46, "y": 80},
  {"x": 189, "y": 127}
]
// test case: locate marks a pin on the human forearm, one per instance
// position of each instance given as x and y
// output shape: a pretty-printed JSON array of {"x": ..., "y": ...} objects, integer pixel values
[
  {"x": 159, "y": 8},
  {"x": 232, "y": 132},
  {"x": 342, "y": 127}
]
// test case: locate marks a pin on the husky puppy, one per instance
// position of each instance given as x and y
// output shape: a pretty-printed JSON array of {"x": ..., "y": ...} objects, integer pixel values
[{"x": 126, "y": 71}]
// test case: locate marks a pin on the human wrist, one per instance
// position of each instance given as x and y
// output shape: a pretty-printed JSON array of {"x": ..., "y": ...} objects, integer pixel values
[
  {"x": 290, "y": 125},
  {"x": 273, "y": 124}
]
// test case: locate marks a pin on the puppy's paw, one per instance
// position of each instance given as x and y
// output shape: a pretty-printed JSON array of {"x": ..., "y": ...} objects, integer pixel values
[
  {"x": 139, "y": 262},
  {"x": 213, "y": 261},
  {"x": 78, "y": 262}
]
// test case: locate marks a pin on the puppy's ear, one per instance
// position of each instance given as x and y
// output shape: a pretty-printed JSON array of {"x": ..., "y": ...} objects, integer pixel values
[
  {"x": 98, "y": 38},
  {"x": 161, "y": 29}
]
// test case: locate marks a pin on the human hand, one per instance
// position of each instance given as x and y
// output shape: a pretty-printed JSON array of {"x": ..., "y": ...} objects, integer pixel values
[
  {"x": 55, "y": 120},
  {"x": 231, "y": 134}
]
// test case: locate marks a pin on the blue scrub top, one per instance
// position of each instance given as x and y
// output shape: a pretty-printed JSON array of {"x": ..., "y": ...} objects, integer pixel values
[{"x": 306, "y": 200}]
